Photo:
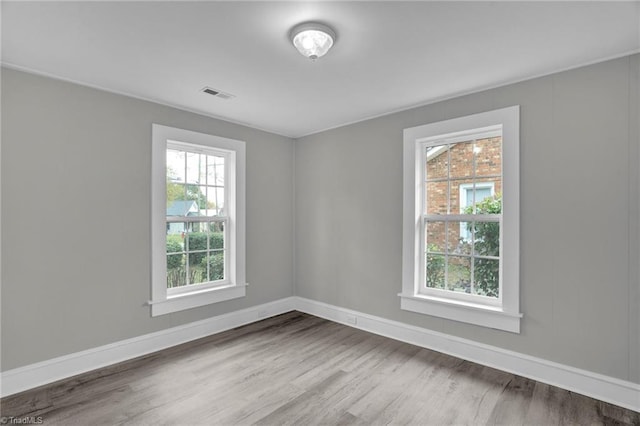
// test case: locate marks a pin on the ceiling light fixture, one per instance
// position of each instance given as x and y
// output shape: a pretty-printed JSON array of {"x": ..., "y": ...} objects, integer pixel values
[{"x": 313, "y": 40}]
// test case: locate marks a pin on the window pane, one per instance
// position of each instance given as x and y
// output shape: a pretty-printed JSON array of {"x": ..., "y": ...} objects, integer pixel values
[
  {"x": 220, "y": 199},
  {"x": 215, "y": 259},
  {"x": 206, "y": 206},
  {"x": 437, "y": 166},
  {"x": 214, "y": 201},
  {"x": 197, "y": 274},
  {"x": 196, "y": 168},
  {"x": 477, "y": 198},
  {"x": 435, "y": 271},
  {"x": 461, "y": 195},
  {"x": 486, "y": 238},
  {"x": 215, "y": 170},
  {"x": 203, "y": 203},
  {"x": 459, "y": 274},
  {"x": 216, "y": 226},
  {"x": 486, "y": 277},
  {"x": 175, "y": 166},
  {"x": 198, "y": 227},
  {"x": 174, "y": 241},
  {"x": 456, "y": 243},
  {"x": 197, "y": 253},
  {"x": 436, "y": 196},
  {"x": 215, "y": 263},
  {"x": 435, "y": 236},
  {"x": 176, "y": 276},
  {"x": 196, "y": 246},
  {"x": 178, "y": 229},
  {"x": 489, "y": 204},
  {"x": 216, "y": 235},
  {"x": 461, "y": 155},
  {"x": 488, "y": 153},
  {"x": 481, "y": 192},
  {"x": 466, "y": 197}
]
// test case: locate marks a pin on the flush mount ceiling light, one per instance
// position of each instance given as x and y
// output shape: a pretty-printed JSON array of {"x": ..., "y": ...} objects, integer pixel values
[{"x": 312, "y": 39}]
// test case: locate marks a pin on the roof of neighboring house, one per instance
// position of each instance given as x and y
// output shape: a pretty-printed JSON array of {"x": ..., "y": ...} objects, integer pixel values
[{"x": 182, "y": 208}]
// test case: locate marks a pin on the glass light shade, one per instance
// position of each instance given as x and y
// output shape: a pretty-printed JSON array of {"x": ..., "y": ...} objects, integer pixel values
[{"x": 313, "y": 40}]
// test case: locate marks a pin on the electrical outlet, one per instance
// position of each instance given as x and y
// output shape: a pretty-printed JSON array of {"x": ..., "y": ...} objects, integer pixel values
[{"x": 351, "y": 319}]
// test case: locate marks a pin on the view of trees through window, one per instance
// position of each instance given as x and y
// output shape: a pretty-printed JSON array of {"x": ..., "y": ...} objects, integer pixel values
[
  {"x": 485, "y": 263},
  {"x": 195, "y": 239}
]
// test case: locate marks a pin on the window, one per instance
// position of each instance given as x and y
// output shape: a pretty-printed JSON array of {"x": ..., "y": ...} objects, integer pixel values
[
  {"x": 198, "y": 247},
  {"x": 461, "y": 219}
]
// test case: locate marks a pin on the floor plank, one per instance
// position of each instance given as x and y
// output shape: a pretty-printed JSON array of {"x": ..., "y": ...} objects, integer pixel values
[{"x": 296, "y": 369}]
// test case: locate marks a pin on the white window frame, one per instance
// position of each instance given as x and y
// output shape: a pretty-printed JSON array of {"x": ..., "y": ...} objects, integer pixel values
[
  {"x": 502, "y": 313},
  {"x": 163, "y": 300}
]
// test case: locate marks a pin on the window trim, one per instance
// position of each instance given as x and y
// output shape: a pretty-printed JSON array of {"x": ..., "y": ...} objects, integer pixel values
[
  {"x": 506, "y": 315},
  {"x": 162, "y": 302}
]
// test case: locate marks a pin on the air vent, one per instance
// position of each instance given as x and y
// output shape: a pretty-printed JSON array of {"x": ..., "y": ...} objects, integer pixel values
[{"x": 217, "y": 93}]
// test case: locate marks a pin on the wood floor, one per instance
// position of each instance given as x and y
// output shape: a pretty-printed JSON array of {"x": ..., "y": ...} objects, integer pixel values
[{"x": 296, "y": 369}]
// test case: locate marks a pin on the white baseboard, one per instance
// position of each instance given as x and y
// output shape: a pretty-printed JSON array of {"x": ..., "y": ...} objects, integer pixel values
[
  {"x": 619, "y": 392},
  {"x": 41, "y": 373},
  {"x": 615, "y": 391}
]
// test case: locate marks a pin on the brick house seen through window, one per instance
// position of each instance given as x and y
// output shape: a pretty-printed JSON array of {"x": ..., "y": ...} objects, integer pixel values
[{"x": 455, "y": 189}]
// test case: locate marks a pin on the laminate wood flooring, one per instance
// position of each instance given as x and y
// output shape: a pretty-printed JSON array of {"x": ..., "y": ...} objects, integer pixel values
[{"x": 297, "y": 369}]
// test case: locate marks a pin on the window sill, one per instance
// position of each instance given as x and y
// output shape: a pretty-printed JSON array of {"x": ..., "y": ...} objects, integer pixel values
[
  {"x": 486, "y": 316},
  {"x": 196, "y": 298}
]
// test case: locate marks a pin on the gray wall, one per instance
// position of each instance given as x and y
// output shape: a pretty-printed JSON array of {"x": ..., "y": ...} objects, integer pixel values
[
  {"x": 75, "y": 217},
  {"x": 579, "y": 216}
]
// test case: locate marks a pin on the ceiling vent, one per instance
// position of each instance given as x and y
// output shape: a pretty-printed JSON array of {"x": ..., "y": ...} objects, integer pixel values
[{"x": 217, "y": 93}]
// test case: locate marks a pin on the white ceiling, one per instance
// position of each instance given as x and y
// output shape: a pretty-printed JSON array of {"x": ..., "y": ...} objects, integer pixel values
[{"x": 389, "y": 56}]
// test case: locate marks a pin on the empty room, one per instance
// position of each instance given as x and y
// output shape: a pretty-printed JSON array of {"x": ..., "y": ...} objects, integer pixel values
[{"x": 332, "y": 212}]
